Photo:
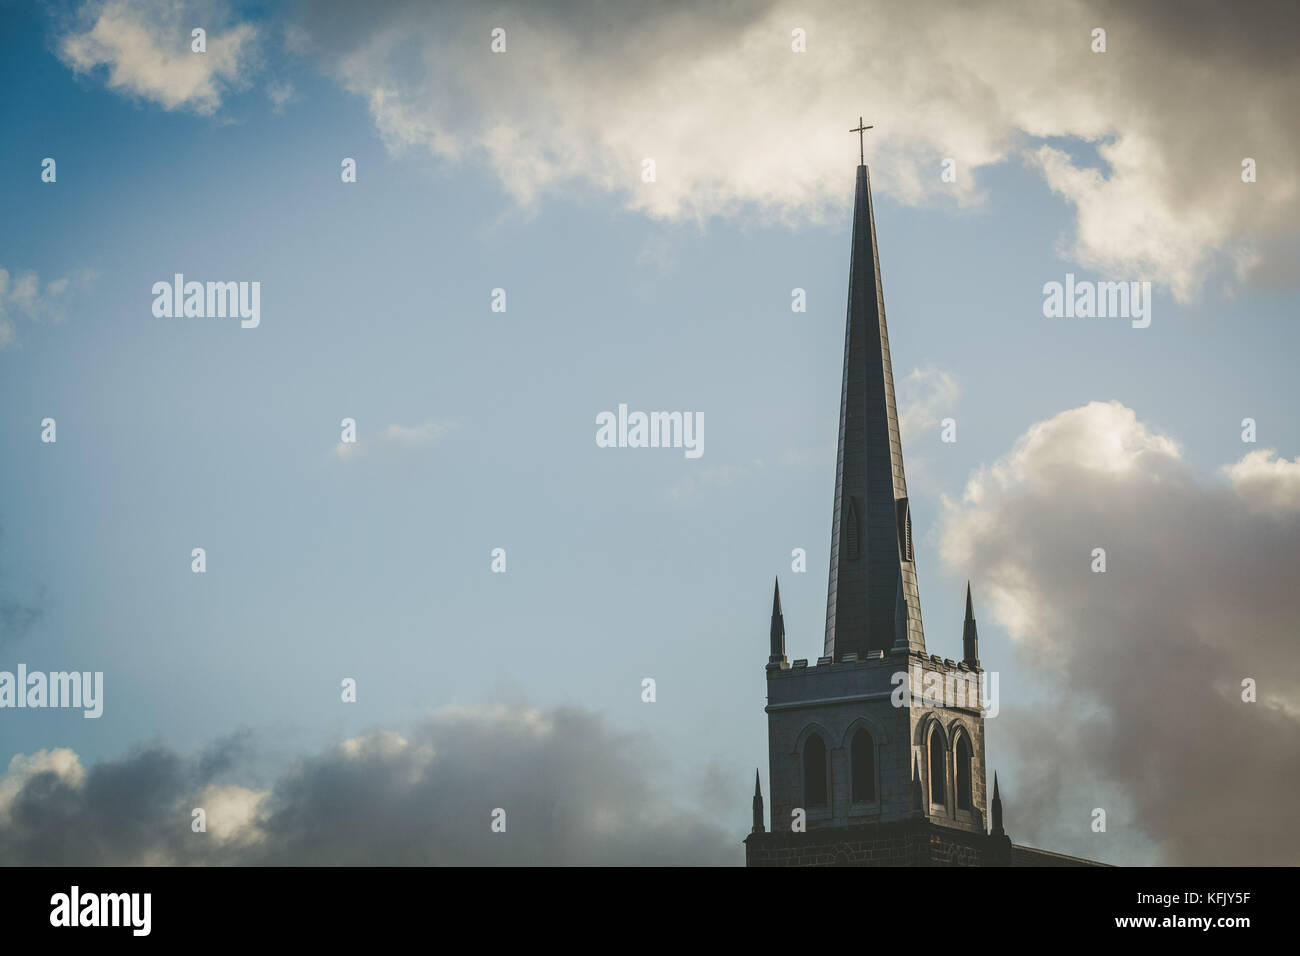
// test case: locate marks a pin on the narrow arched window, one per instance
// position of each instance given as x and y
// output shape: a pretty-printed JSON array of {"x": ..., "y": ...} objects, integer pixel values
[
  {"x": 863, "y": 755},
  {"x": 937, "y": 771},
  {"x": 904, "y": 515},
  {"x": 814, "y": 772},
  {"x": 963, "y": 773}
]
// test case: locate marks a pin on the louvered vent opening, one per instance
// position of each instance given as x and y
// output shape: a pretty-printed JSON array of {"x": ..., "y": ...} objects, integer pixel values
[{"x": 904, "y": 529}]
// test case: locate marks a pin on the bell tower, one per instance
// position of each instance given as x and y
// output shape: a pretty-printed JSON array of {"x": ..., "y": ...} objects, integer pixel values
[{"x": 876, "y": 751}]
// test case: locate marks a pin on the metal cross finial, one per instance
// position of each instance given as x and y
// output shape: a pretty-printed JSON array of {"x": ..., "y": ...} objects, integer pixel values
[{"x": 860, "y": 130}]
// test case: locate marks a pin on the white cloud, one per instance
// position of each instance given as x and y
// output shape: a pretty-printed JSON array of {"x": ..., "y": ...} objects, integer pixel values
[
  {"x": 926, "y": 396},
  {"x": 281, "y": 94},
  {"x": 394, "y": 436},
  {"x": 233, "y": 814},
  {"x": 415, "y": 434},
  {"x": 21, "y": 296},
  {"x": 737, "y": 122},
  {"x": 1266, "y": 482},
  {"x": 61, "y": 762},
  {"x": 145, "y": 46},
  {"x": 1142, "y": 664},
  {"x": 582, "y": 100}
]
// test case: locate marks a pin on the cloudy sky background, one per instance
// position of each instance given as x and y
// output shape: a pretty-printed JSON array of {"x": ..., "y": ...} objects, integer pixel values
[{"x": 522, "y": 171}]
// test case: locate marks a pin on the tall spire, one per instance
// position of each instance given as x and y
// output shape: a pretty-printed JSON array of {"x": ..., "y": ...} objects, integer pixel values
[
  {"x": 871, "y": 529},
  {"x": 776, "y": 658},
  {"x": 970, "y": 642},
  {"x": 758, "y": 805}
]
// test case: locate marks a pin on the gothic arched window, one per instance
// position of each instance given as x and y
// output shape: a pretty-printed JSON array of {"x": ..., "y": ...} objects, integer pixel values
[
  {"x": 904, "y": 515},
  {"x": 938, "y": 772},
  {"x": 863, "y": 756},
  {"x": 814, "y": 772},
  {"x": 963, "y": 773}
]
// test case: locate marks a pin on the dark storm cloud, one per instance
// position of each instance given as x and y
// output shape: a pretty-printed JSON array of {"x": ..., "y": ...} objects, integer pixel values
[
  {"x": 1264, "y": 36},
  {"x": 225, "y": 754},
  {"x": 574, "y": 791}
]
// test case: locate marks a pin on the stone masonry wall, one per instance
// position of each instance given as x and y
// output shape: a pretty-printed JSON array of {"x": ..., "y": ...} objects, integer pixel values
[{"x": 911, "y": 843}]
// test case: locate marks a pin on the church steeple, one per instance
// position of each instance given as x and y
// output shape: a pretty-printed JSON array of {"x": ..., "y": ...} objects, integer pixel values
[
  {"x": 872, "y": 599},
  {"x": 838, "y": 740}
]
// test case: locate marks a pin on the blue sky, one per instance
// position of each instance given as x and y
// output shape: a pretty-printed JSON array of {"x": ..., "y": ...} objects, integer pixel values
[{"x": 622, "y": 564}]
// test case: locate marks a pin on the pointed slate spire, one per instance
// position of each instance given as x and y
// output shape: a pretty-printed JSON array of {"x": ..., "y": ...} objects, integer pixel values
[
  {"x": 871, "y": 528},
  {"x": 970, "y": 642},
  {"x": 776, "y": 658},
  {"x": 997, "y": 808},
  {"x": 758, "y": 805}
]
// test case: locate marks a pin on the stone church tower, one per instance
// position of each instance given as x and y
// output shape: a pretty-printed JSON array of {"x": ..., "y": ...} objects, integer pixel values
[{"x": 878, "y": 749}]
